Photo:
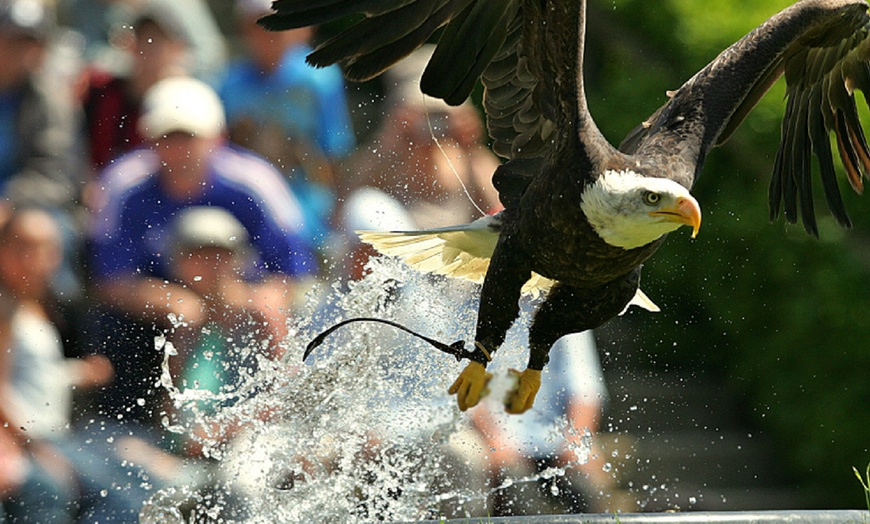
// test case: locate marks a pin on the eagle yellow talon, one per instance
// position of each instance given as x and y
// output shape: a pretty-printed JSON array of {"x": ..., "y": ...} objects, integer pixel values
[
  {"x": 470, "y": 386},
  {"x": 522, "y": 397}
]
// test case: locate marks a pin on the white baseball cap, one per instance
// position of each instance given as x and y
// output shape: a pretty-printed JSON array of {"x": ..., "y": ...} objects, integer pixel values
[
  {"x": 28, "y": 18},
  {"x": 370, "y": 209},
  {"x": 253, "y": 8},
  {"x": 182, "y": 104},
  {"x": 208, "y": 226}
]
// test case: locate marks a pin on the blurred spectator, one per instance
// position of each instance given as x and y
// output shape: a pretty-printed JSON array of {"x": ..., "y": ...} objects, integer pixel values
[
  {"x": 36, "y": 384},
  {"x": 38, "y": 147},
  {"x": 40, "y": 161},
  {"x": 425, "y": 167},
  {"x": 272, "y": 89},
  {"x": 187, "y": 164},
  {"x": 28, "y": 493},
  {"x": 158, "y": 49},
  {"x": 105, "y": 28},
  {"x": 574, "y": 397},
  {"x": 288, "y": 111},
  {"x": 210, "y": 248},
  {"x": 427, "y": 154}
]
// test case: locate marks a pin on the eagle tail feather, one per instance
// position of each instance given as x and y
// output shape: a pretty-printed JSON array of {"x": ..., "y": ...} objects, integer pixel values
[{"x": 462, "y": 251}]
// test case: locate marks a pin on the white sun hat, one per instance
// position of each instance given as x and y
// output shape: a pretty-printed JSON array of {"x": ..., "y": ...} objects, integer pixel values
[{"x": 181, "y": 104}]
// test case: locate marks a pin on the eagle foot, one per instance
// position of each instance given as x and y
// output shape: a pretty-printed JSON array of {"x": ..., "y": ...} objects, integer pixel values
[
  {"x": 470, "y": 385},
  {"x": 522, "y": 396}
]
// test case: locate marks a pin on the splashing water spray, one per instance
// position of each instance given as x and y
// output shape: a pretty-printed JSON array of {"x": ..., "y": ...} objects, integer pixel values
[{"x": 363, "y": 431}]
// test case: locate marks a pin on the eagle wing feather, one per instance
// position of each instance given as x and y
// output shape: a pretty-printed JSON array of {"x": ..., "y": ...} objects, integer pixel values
[
  {"x": 527, "y": 53},
  {"x": 821, "y": 47}
]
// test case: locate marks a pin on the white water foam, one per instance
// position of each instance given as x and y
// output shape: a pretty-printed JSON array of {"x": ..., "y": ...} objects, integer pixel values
[{"x": 362, "y": 431}]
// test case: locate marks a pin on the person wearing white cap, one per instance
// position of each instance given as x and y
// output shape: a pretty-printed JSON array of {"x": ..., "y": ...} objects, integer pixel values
[
  {"x": 187, "y": 164},
  {"x": 156, "y": 48},
  {"x": 209, "y": 251},
  {"x": 181, "y": 106}
]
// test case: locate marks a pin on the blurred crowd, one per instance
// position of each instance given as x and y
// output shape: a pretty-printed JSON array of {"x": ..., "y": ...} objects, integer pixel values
[{"x": 169, "y": 170}]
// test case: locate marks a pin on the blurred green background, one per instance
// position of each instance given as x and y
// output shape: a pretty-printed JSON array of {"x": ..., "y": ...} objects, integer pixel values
[{"x": 780, "y": 317}]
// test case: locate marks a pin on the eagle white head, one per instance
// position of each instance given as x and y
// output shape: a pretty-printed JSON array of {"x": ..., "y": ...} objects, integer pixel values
[{"x": 629, "y": 210}]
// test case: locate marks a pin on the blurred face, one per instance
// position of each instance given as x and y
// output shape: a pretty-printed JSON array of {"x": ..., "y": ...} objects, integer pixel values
[
  {"x": 19, "y": 57},
  {"x": 157, "y": 52},
  {"x": 434, "y": 154},
  {"x": 184, "y": 161},
  {"x": 267, "y": 47},
  {"x": 30, "y": 253}
]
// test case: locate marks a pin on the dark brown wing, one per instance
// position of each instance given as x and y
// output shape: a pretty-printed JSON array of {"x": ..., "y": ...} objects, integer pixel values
[
  {"x": 535, "y": 99},
  {"x": 821, "y": 46},
  {"x": 528, "y": 53},
  {"x": 392, "y": 29}
]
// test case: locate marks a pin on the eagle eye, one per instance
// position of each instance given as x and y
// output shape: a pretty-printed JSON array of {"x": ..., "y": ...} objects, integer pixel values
[{"x": 651, "y": 199}]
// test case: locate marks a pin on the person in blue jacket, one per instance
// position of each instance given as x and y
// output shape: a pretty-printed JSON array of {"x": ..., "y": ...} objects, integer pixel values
[{"x": 188, "y": 163}]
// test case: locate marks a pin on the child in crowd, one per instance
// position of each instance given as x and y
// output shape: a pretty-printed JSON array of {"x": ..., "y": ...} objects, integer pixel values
[{"x": 36, "y": 384}]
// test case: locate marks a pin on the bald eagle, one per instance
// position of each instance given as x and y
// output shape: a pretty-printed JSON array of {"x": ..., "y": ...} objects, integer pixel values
[{"x": 581, "y": 216}]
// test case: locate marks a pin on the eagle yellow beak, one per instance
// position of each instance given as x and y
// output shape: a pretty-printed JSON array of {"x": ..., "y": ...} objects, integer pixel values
[{"x": 685, "y": 211}]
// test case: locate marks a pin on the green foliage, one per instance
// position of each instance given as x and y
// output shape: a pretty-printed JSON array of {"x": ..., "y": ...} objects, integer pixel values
[
  {"x": 782, "y": 316},
  {"x": 865, "y": 483}
]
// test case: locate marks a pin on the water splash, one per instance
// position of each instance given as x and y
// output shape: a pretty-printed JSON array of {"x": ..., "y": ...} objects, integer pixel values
[{"x": 359, "y": 433}]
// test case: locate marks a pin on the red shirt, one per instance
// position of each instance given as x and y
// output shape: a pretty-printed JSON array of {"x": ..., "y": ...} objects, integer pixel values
[{"x": 111, "y": 117}]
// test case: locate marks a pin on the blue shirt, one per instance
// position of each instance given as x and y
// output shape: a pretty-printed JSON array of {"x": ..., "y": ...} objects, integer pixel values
[
  {"x": 10, "y": 102},
  {"x": 130, "y": 231},
  {"x": 301, "y": 100}
]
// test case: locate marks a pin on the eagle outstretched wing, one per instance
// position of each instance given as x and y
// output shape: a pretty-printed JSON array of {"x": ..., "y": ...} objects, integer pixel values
[
  {"x": 526, "y": 53},
  {"x": 822, "y": 49}
]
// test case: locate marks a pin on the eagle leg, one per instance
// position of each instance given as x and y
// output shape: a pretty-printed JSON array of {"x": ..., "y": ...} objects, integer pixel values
[
  {"x": 470, "y": 386},
  {"x": 499, "y": 307},
  {"x": 521, "y": 398},
  {"x": 566, "y": 310}
]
